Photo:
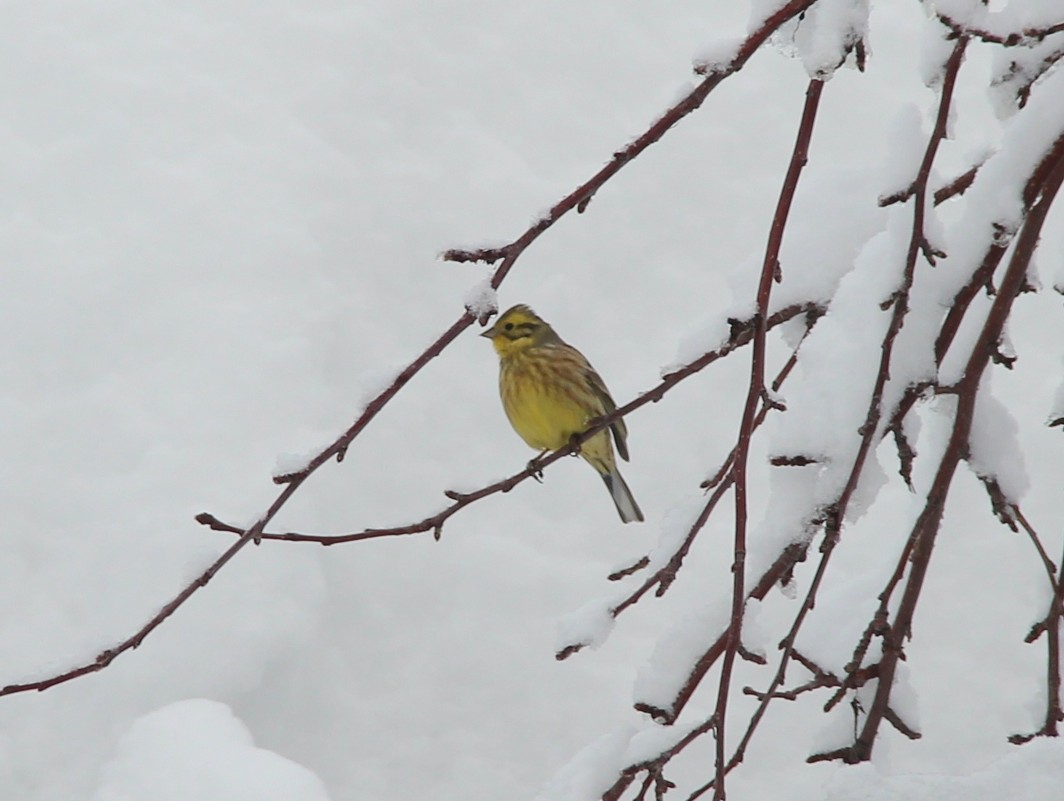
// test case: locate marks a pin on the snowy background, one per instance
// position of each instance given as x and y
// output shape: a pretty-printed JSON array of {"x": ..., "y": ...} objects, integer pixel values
[{"x": 219, "y": 230}]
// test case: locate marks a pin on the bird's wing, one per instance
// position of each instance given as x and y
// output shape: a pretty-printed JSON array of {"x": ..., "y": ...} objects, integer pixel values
[{"x": 620, "y": 430}]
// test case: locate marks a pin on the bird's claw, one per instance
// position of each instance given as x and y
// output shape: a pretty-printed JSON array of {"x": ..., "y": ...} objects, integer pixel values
[{"x": 534, "y": 469}]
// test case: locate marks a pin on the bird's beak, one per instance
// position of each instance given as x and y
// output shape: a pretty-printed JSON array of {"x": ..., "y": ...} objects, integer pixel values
[{"x": 489, "y": 333}]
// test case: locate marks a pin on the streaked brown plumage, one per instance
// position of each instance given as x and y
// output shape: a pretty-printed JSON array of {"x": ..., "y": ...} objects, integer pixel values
[{"x": 550, "y": 391}]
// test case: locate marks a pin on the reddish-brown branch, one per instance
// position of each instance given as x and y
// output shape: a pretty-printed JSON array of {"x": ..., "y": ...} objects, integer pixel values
[
  {"x": 290, "y": 483},
  {"x": 770, "y": 269},
  {"x": 981, "y": 278},
  {"x": 1050, "y": 626},
  {"x": 1047, "y": 563},
  {"x": 919, "y": 192},
  {"x": 778, "y": 572},
  {"x": 105, "y": 657},
  {"x": 958, "y": 186},
  {"x": 831, "y": 538},
  {"x": 900, "y": 302}
]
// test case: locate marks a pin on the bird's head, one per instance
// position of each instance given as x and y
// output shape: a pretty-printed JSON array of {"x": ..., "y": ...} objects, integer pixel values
[{"x": 519, "y": 328}]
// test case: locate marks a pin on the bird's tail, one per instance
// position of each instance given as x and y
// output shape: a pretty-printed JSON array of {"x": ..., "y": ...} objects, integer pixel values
[{"x": 622, "y": 496}]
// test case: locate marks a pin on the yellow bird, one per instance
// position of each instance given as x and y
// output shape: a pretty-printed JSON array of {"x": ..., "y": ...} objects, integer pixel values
[{"x": 550, "y": 392}]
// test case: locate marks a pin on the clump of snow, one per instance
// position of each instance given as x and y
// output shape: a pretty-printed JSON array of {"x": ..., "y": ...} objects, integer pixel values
[
  {"x": 712, "y": 335},
  {"x": 655, "y": 739},
  {"x": 296, "y": 461},
  {"x": 994, "y": 202},
  {"x": 792, "y": 497},
  {"x": 835, "y": 731},
  {"x": 906, "y": 146},
  {"x": 589, "y": 625},
  {"x": 828, "y": 393},
  {"x": 757, "y": 639},
  {"x": 717, "y": 56},
  {"x": 835, "y": 625},
  {"x": 995, "y": 450},
  {"x": 827, "y": 32},
  {"x": 904, "y": 699},
  {"x": 663, "y": 674},
  {"x": 675, "y": 526},
  {"x": 832, "y": 218},
  {"x": 591, "y": 770},
  {"x": 197, "y": 749},
  {"x": 481, "y": 300},
  {"x": 374, "y": 381},
  {"x": 1057, "y": 410},
  {"x": 935, "y": 49}
]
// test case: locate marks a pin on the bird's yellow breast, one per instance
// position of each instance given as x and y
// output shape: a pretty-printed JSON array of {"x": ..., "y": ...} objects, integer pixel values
[{"x": 543, "y": 412}]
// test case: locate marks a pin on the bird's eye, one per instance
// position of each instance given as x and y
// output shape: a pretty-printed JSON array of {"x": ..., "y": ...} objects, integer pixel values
[{"x": 509, "y": 326}]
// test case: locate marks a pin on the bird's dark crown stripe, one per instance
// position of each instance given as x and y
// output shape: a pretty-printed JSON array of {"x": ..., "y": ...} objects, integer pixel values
[{"x": 522, "y": 330}]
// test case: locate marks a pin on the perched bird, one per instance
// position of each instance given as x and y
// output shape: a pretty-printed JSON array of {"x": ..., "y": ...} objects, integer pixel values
[{"x": 550, "y": 392}]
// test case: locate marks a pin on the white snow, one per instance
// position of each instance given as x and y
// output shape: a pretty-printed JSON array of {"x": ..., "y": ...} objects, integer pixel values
[
  {"x": 827, "y": 32},
  {"x": 1034, "y": 772},
  {"x": 218, "y": 240},
  {"x": 199, "y": 749},
  {"x": 995, "y": 447},
  {"x": 661, "y": 677},
  {"x": 590, "y": 772},
  {"x": 717, "y": 56},
  {"x": 481, "y": 300},
  {"x": 589, "y": 625}
]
